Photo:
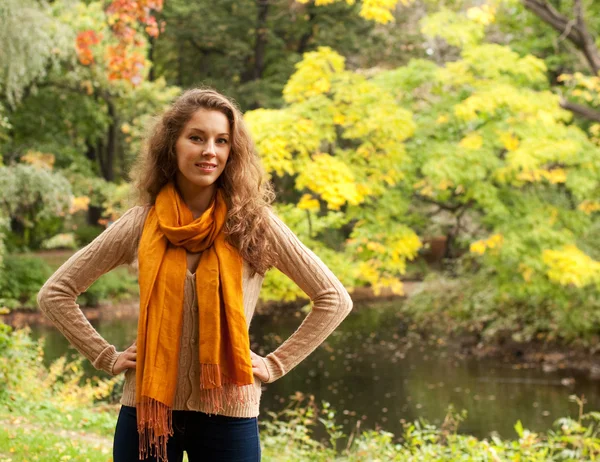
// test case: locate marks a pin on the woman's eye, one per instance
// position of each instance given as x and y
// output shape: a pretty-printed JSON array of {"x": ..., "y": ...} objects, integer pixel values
[
  {"x": 194, "y": 138},
  {"x": 223, "y": 140}
]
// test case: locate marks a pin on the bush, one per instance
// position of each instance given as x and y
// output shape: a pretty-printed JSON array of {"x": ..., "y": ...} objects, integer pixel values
[
  {"x": 60, "y": 397},
  {"x": 21, "y": 279},
  {"x": 472, "y": 304},
  {"x": 60, "y": 241},
  {"x": 59, "y": 394},
  {"x": 84, "y": 234},
  {"x": 117, "y": 285}
]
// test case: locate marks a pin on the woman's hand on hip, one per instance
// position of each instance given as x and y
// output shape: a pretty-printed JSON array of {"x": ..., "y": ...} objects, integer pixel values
[
  {"x": 259, "y": 368},
  {"x": 126, "y": 360}
]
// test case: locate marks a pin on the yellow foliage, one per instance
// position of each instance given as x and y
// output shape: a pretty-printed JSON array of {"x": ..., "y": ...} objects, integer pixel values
[
  {"x": 64, "y": 379},
  {"x": 533, "y": 153},
  {"x": 541, "y": 105},
  {"x": 455, "y": 28},
  {"x": 379, "y": 10},
  {"x": 442, "y": 119},
  {"x": 493, "y": 242},
  {"x": 484, "y": 14},
  {"x": 313, "y": 74},
  {"x": 277, "y": 134},
  {"x": 554, "y": 176},
  {"x": 374, "y": 10},
  {"x": 39, "y": 159},
  {"x": 331, "y": 178},
  {"x": 370, "y": 271},
  {"x": 407, "y": 247},
  {"x": 376, "y": 247},
  {"x": 339, "y": 119},
  {"x": 325, "y": 2},
  {"x": 570, "y": 266},
  {"x": 308, "y": 202},
  {"x": 79, "y": 204},
  {"x": 510, "y": 141},
  {"x": 444, "y": 184},
  {"x": 526, "y": 271},
  {"x": 472, "y": 141},
  {"x": 588, "y": 206}
]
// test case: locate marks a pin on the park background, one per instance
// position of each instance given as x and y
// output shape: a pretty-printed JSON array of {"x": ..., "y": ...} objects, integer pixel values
[{"x": 441, "y": 157}]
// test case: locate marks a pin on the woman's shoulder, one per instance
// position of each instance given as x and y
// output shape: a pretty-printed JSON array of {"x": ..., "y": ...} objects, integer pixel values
[
  {"x": 131, "y": 224},
  {"x": 134, "y": 217}
]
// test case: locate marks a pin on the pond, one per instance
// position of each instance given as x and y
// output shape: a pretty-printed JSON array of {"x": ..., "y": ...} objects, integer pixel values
[{"x": 374, "y": 369}]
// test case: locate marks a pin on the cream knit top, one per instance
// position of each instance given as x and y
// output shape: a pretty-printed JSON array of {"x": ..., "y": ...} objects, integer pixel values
[{"x": 118, "y": 245}]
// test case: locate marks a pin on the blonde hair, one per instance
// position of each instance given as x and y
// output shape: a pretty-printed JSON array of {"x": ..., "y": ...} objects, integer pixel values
[{"x": 247, "y": 195}]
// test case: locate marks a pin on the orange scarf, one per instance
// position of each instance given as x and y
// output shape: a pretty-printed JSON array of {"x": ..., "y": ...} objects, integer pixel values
[{"x": 224, "y": 348}]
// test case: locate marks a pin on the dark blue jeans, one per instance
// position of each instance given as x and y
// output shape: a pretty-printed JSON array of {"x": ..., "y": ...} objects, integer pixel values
[{"x": 206, "y": 438}]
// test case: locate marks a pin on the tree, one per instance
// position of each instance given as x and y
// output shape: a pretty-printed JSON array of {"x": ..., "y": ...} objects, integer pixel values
[
  {"x": 34, "y": 199},
  {"x": 335, "y": 166},
  {"x": 32, "y": 45}
]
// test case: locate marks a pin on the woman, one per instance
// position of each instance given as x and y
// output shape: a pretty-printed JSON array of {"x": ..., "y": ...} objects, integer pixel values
[{"x": 203, "y": 238}]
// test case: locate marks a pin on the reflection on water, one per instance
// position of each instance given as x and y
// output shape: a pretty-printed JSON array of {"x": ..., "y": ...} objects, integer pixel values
[{"x": 372, "y": 369}]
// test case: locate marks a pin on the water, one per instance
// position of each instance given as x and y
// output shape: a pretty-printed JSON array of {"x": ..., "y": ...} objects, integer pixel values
[{"x": 373, "y": 369}]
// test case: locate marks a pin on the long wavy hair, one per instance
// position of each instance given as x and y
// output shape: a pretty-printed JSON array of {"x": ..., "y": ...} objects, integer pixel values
[{"x": 247, "y": 194}]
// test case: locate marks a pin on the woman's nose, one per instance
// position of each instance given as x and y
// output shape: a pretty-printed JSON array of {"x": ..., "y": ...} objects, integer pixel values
[{"x": 210, "y": 147}]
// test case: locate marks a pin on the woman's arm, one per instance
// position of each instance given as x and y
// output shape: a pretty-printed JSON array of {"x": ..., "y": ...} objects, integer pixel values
[
  {"x": 57, "y": 298},
  {"x": 331, "y": 301}
]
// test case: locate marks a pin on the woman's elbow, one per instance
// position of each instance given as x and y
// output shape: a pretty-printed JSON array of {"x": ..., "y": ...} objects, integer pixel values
[
  {"x": 42, "y": 298},
  {"x": 345, "y": 302}
]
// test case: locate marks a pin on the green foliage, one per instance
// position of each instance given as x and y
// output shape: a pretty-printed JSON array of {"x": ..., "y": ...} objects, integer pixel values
[
  {"x": 505, "y": 309},
  {"x": 33, "y": 42},
  {"x": 52, "y": 400},
  {"x": 34, "y": 198},
  {"x": 114, "y": 286},
  {"x": 292, "y": 428},
  {"x": 60, "y": 241},
  {"x": 84, "y": 234},
  {"x": 57, "y": 395},
  {"x": 21, "y": 279},
  {"x": 331, "y": 141},
  {"x": 455, "y": 28}
]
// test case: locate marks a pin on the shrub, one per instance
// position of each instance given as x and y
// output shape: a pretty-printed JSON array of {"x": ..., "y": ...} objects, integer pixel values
[
  {"x": 21, "y": 279},
  {"x": 116, "y": 285},
  {"x": 60, "y": 241},
  {"x": 84, "y": 234}
]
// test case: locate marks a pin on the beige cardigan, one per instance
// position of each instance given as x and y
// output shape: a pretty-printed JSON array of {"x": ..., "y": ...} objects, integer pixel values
[{"x": 118, "y": 245}]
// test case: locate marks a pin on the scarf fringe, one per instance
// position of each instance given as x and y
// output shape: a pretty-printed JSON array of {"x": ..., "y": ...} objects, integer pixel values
[
  {"x": 217, "y": 390},
  {"x": 155, "y": 425}
]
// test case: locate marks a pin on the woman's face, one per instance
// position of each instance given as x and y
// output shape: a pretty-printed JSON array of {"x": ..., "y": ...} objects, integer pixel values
[{"x": 202, "y": 150}]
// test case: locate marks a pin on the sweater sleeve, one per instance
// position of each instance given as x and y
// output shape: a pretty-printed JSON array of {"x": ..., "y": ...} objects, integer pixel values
[
  {"x": 57, "y": 298},
  {"x": 331, "y": 302}
]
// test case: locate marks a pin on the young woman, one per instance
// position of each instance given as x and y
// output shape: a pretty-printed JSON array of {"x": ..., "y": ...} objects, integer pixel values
[{"x": 203, "y": 236}]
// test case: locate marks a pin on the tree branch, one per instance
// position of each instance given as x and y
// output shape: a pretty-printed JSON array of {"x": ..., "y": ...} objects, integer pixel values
[
  {"x": 580, "y": 110},
  {"x": 206, "y": 50},
  {"x": 575, "y": 30},
  {"x": 588, "y": 43}
]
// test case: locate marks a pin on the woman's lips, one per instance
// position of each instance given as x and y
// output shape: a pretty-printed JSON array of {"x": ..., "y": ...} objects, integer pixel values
[{"x": 206, "y": 167}]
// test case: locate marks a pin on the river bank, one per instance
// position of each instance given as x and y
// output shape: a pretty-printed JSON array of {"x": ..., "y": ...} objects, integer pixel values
[{"x": 544, "y": 355}]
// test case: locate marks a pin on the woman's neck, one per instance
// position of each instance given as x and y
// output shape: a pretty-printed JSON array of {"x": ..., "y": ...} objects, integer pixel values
[{"x": 197, "y": 199}]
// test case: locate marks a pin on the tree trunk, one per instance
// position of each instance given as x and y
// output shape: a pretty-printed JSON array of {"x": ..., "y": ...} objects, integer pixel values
[
  {"x": 111, "y": 146},
  {"x": 151, "y": 41},
  {"x": 261, "y": 39},
  {"x": 94, "y": 214},
  {"x": 308, "y": 34}
]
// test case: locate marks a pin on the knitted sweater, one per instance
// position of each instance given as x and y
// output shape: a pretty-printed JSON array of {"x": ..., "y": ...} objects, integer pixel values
[{"x": 118, "y": 245}]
